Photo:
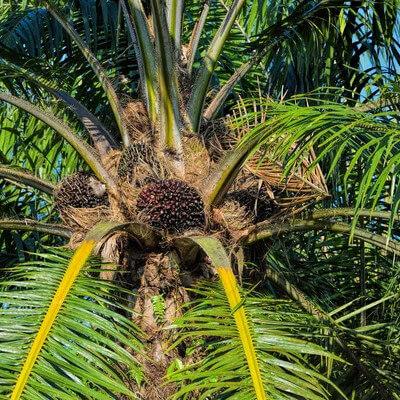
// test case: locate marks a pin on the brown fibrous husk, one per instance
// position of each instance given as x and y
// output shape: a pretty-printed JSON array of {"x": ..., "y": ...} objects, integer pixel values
[
  {"x": 197, "y": 161},
  {"x": 233, "y": 216},
  {"x": 129, "y": 194},
  {"x": 137, "y": 120},
  {"x": 111, "y": 162},
  {"x": 157, "y": 275},
  {"x": 81, "y": 219},
  {"x": 185, "y": 88},
  {"x": 216, "y": 133},
  {"x": 145, "y": 167}
]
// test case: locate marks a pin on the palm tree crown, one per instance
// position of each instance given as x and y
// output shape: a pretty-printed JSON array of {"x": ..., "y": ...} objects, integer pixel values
[{"x": 187, "y": 144}]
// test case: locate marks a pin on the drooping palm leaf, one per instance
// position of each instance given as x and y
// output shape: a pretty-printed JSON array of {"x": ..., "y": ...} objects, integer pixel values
[
  {"x": 86, "y": 352},
  {"x": 87, "y": 152},
  {"x": 214, "y": 249},
  {"x": 278, "y": 330},
  {"x": 291, "y": 131},
  {"x": 35, "y": 226},
  {"x": 370, "y": 344},
  {"x": 95, "y": 65},
  {"x": 63, "y": 64},
  {"x": 26, "y": 177}
]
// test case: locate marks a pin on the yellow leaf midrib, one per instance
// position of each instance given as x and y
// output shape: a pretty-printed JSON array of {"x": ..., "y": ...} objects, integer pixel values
[
  {"x": 233, "y": 295},
  {"x": 77, "y": 262}
]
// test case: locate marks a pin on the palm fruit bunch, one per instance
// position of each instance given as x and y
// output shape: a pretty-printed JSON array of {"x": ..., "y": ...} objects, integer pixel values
[
  {"x": 80, "y": 190},
  {"x": 136, "y": 154},
  {"x": 172, "y": 205},
  {"x": 258, "y": 205}
]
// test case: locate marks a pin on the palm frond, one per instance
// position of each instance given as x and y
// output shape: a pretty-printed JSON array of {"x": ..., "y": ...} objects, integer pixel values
[
  {"x": 225, "y": 172},
  {"x": 103, "y": 140},
  {"x": 86, "y": 353},
  {"x": 279, "y": 330},
  {"x": 26, "y": 177},
  {"x": 35, "y": 226},
  {"x": 104, "y": 80},
  {"x": 148, "y": 61},
  {"x": 284, "y": 29},
  {"x": 214, "y": 249},
  {"x": 203, "y": 77},
  {"x": 169, "y": 116},
  {"x": 133, "y": 37},
  {"x": 30, "y": 31},
  {"x": 66, "y": 67},
  {"x": 86, "y": 151},
  {"x": 291, "y": 131},
  {"x": 196, "y": 33},
  {"x": 369, "y": 344},
  {"x": 265, "y": 230},
  {"x": 330, "y": 49},
  {"x": 30, "y": 144},
  {"x": 174, "y": 19}
]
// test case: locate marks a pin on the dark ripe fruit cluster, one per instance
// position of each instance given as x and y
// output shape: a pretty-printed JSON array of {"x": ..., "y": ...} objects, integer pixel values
[
  {"x": 80, "y": 190},
  {"x": 259, "y": 206},
  {"x": 172, "y": 205},
  {"x": 131, "y": 157}
]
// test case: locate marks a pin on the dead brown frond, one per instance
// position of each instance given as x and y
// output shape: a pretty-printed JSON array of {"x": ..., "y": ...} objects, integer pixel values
[{"x": 292, "y": 189}]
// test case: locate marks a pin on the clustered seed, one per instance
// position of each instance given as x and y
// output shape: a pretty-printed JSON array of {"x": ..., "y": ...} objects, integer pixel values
[
  {"x": 259, "y": 206},
  {"x": 131, "y": 157},
  {"x": 173, "y": 205},
  {"x": 80, "y": 190}
]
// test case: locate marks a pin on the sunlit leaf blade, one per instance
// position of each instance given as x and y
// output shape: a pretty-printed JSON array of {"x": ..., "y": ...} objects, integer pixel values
[
  {"x": 88, "y": 351},
  {"x": 278, "y": 329},
  {"x": 96, "y": 66},
  {"x": 294, "y": 128},
  {"x": 214, "y": 249},
  {"x": 86, "y": 151},
  {"x": 169, "y": 115},
  {"x": 236, "y": 303},
  {"x": 74, "y": 267}
]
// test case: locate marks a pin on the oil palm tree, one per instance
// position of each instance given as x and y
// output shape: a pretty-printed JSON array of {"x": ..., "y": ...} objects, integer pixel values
[{"x": 180, "y": 142}]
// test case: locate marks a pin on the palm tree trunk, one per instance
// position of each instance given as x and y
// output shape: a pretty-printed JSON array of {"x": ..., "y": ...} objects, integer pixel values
[{"x": 160, "y": 295}]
